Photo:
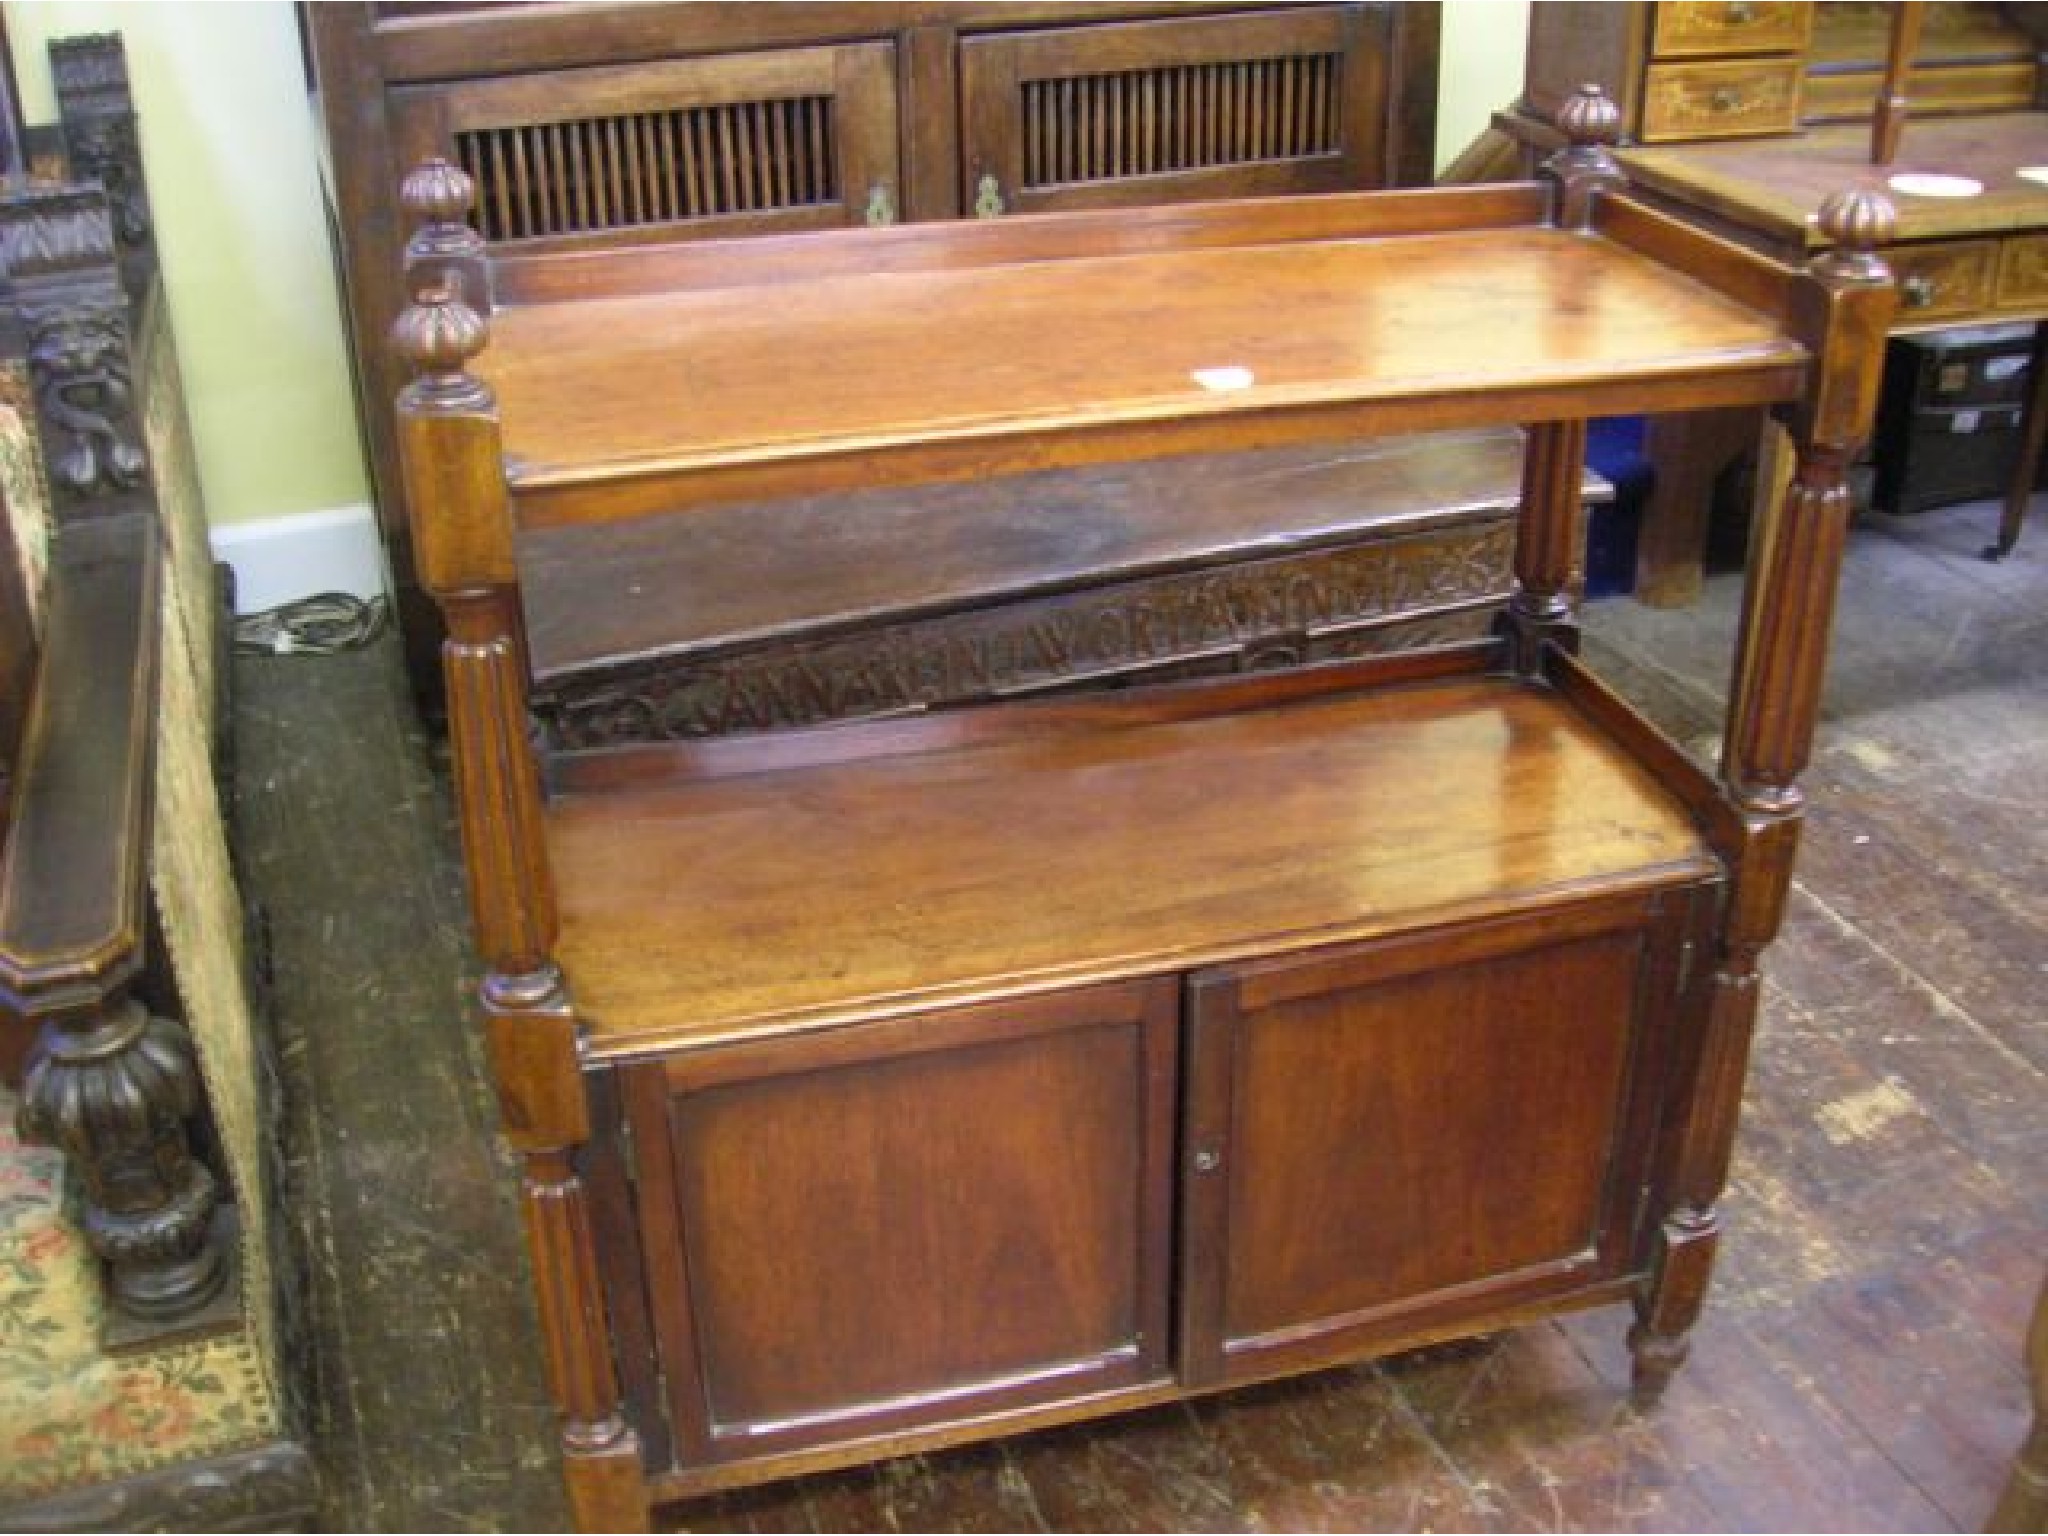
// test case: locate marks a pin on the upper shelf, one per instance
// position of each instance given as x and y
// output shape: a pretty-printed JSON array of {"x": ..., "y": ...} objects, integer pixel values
[{"x": 990, "y": 354}]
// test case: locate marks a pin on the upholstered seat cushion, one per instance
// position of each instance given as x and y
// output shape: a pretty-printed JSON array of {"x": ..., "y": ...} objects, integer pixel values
[{"x": 70, "y": 1412}]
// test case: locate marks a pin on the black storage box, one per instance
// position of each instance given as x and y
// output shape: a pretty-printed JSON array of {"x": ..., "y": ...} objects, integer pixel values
[{"x": 1948, "y": 421}]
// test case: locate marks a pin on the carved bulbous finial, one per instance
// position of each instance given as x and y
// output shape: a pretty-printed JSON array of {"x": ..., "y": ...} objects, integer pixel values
[
  {"x": 1586, "y": 165},
  {"x": 1858, "y": 219},
  {"x": 444, "y": 252},
  {"x": 1590, "y": 117},
  {"x": 1855, "y": 222},
  {"x": 437, "y": 333},
  {"x": 437, "y": 191}
]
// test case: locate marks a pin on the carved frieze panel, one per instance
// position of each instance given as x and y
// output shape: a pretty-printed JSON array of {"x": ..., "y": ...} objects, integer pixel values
[
  {"x": 100, "y": 138},
  {"x": 1380, "y": 594}
]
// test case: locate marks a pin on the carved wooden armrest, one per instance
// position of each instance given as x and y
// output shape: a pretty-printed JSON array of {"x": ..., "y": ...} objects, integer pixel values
[{"x": 106, "y": 1082}]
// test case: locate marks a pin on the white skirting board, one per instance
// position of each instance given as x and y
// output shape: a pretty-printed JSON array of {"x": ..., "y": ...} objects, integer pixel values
[{"x": 279, "y": 560}]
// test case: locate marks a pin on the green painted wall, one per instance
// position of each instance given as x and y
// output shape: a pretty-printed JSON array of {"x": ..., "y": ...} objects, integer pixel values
[
  {"x": 228, "y": 138},
  {"x": 230, "y": 142},
  {"x": 1481, "y": 68}
]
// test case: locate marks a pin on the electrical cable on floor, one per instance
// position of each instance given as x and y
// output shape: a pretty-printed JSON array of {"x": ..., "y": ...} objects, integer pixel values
[{"x": 319, "y": 625}]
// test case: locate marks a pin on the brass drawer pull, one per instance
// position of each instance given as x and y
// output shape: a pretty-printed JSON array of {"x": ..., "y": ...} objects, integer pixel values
[
  {"x": 1725, "y": 99},
  {"x": 1917, "y": 291},
  {"x": 1741, "y": 14}
]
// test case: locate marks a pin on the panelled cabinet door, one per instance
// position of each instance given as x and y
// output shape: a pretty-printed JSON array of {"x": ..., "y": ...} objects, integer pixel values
[
  {"x": 801, "y": 138},
  {"x": 1277, "y": 101},
  {"x": 904, "y": 1223},
  {"x": 1383, "y": 1143}
]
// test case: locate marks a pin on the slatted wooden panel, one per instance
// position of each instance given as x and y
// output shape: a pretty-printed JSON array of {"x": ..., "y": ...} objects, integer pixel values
[
  {"x": 1148, "y": 122},
  {"x": 618, "y": 172},
  {"x": 777, "y": 140}
]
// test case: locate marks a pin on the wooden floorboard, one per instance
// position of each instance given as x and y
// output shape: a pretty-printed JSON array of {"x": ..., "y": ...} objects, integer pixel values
[
  {"x": 1858, "y": 1367},
  {"x": 427, "y": 1407}
]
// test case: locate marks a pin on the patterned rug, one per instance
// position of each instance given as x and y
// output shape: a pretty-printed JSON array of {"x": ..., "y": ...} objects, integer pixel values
[{"x": 71, "y": 1414}]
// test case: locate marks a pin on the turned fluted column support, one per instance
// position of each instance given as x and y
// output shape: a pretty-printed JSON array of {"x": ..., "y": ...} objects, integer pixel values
[
  {"x": 1842, "y": 312},
  {"x": 1543, "y": 607},
  {"x": 450, "y": 447},
  {"x": 1789, "y": 602}
]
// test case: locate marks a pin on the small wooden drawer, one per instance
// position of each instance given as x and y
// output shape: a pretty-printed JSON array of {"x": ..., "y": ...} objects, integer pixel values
[
  {"x": 1685, "y": 29},
  {"x": 1949, "y": 278},
  {"x": 2023, "y": 273},
  {"x": 1720, "y": 101}
]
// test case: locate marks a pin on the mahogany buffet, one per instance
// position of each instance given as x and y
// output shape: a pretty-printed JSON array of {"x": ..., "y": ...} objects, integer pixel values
[{"x": 888, "y": 1085}]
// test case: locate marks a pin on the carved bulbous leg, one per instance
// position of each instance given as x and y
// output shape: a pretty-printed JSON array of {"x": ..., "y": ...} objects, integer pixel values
[{"x": 113, "y": 1088}]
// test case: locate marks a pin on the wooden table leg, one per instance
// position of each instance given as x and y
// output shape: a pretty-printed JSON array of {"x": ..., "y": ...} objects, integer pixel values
[
  {"x": 1687, "y": 452},
  {"x": 2032, "y": 435},
  {"x": 2024, "y": 1506}
]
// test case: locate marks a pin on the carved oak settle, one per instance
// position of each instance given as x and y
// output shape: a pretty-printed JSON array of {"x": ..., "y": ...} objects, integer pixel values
[
  {"x": 115, "y": 1087},
  {"x": 880, "y": 1087}
]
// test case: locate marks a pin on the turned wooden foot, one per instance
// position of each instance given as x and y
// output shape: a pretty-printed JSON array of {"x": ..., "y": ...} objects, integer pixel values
[
  {"x": 2019, "y": 494},
  {"x": 1656, "y": 1358},
  {"x": 2024, "y": 1505},
  {"x": 608, "y": 1489},
  {"x": 1670, "y": 1304}
]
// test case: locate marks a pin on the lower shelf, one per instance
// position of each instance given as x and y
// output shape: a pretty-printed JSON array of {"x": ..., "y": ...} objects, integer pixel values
[{"x": 859, "y": 870}]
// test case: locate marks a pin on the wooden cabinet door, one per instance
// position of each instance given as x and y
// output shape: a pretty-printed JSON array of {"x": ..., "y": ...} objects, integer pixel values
[
  {"x": 1276, "y": 101},
  {"x": 900, "y": 1225},
  {"x": 799, "y": 138},
  {"x": 1394, "y": 1142}
]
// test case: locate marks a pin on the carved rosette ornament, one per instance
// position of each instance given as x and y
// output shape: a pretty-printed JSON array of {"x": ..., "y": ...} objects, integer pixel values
[{"x": 113, "y": 1090}]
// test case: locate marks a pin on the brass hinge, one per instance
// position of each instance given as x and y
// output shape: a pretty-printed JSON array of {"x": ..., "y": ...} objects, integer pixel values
[
  {"x": 881, "y": 205},
  {"x": 988, "y": 198}
]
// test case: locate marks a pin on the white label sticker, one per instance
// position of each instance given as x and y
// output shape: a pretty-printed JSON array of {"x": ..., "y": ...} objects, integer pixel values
[
  {"x": 1964, "y": 421},
  {"x": 2003, "y": 368},
  {"x": 1222, "y": 379},
  {"x": 1929, "y": 184}
]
